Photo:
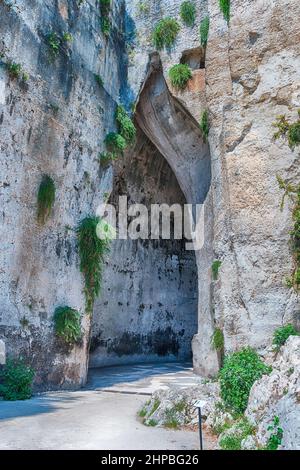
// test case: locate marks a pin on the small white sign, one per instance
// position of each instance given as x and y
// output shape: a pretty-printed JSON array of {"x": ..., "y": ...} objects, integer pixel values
[{"x": 200, "y": 404}]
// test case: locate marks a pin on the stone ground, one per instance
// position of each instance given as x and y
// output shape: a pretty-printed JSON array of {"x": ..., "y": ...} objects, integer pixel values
[{"x": 103, "y": 415}]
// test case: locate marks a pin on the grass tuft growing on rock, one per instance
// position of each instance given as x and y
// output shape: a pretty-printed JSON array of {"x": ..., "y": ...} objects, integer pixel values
[
  {"x": 45, "y": 198},
  {"x": 165, "y": 33},
  {"x": 188, "y": 13},
  {"x": 282, "y": 334},
  {"x": 217, "y": 339},
  {"x": 105, "y": 8},
  {"x": 92, "y": 251},
  {"x": 288, "y": 130},
  {"x": 179, "y": 76},
  {"x": 216, "y": 264},
  {"x": 225, "y": 9},
  {"x": 204, "y": 30},
  {"x": 204, "y": 125},
  {"x": 67, "y": 324},
  {"x": 17, "y": 380}
]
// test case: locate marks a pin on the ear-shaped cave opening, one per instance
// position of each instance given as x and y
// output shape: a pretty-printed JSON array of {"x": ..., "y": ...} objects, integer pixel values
[
  {"x": 194, "y": 58},
  {"x": 148, "y": 308}
]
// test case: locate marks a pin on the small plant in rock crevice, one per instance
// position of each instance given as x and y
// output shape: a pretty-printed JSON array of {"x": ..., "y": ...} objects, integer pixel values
[
  {"x": 125, "y": 125},
  {"x": 14, "y": 70},
  {"x": 92, "y": 251},
  {"x": 107, "y": 157},
  {"x": 67, "y": 324},
  {"x": 165, "y": 33},
  {"x": 239, "y": 372},
  {"x": 188, "y": 13},
  {"x": 143, "y": 8},
  {"x": 45, "y": 199},
  {"x": 282, "y": 334},
  {"x": 105, "y": 8},
  {"x": 204, "y": 125},
  {"x": 99, "y": 79},
  {"x": 17, "y": 378},
  {"x": 204, "y": 30},
  {"x": 179, "y": 75},
  {"x": 53, "y": 42},
  {"x": 233, "y": 440},
  {"x": 288, "y": 130},
  {"x": 217, "y": 340},
  {"x": 115, "y": 142},
  {"x": 225, "y": 9},
  {"x": 276, "y": 435},
  {"x": 216, "y": 264}
]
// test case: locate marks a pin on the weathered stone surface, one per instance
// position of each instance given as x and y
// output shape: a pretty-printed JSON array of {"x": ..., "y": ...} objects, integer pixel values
[
  {"x": 2, "y": 352},
  {"x": 278, "y": 394}
]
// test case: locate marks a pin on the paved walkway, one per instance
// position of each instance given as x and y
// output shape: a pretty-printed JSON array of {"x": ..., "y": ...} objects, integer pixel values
[{"x": 101, "y": 416}]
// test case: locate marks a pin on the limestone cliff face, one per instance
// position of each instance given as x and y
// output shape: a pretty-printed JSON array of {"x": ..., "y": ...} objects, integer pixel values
[{"x": 55, "y": 124}]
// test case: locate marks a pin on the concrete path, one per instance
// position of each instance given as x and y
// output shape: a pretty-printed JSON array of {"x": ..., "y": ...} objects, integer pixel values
[{"x": 101, "y": 416}]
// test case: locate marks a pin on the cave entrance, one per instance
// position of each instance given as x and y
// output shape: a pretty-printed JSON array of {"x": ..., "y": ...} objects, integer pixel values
[{"x": 156, "y": 295}]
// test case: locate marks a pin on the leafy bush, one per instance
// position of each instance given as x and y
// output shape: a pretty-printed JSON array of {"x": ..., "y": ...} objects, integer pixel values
[
  {"x": 204, "y": 29},
  {"x": 53, "y": 41},
  {"x": 125, "y": 125},
  {"x": 14, "y": 70},
  {"x": 215, "y": 268},
  {"x": 46, "y": 198},
  {"x": 276, "y": 436},
  {"x": 67, "y": 37},
  {"x": 91, "y": 251},
  {"x": 165, "y": 33},
  {"x": 179, "y": 75},
  {"x": 188, "y": 13},
  {"x": 204, "y": 125},
  {"x": 217, "y": 339},
  {"x": 17, "y": 381},
  {"x": 288, "y": 130},
  {"x": 115, "y": 142},
  {"x": 225, "y": 9},
  {"x": 233, "y": 440},
  {"x": 282, "y": 334},
  {"x": 67, "y": 324},
  {"x": 241, "y": 369}
]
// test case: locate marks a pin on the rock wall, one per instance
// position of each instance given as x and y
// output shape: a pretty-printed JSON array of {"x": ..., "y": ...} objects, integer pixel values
[{"x": 53, "y": 124}]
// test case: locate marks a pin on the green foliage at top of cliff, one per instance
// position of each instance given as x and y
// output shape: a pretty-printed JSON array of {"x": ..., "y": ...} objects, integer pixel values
[
  {"x": 45, "y": 198},
  {"x": 281, "y": 335},
  {"x": 188, "y": 13},
  {"x": 239, "y": 372},
  {"x": 179, "y": 75},
  {"x": 204, "y": 30},
  {"x": 16, "y": 379},
  {"x": 288, "y": 130},
  {"x": 165, "y": 33},
  {"x": 105, "y": 8},
  {"x": 92, "y": 251},
  {"x": 67, "y": 324},
  {"x": 225, "y": 9},
  {"x": 125, "y": 125}
]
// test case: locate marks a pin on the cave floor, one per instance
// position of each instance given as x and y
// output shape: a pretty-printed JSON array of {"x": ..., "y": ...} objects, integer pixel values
[{"x": 103, "y": 415}]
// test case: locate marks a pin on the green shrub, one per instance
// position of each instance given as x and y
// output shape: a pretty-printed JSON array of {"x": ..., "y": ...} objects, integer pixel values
[
  {"x": 105, "y": 7},
  {"x": 17, "y": 381},
  {"x": 171, "y": 420},
  {"x": 46, "y": 198},
  {"x": 67, "y": 324},
  {"x": 115, "y": 142},
  {"x": 204, "y": 30},
  {"x": 204, "y": 125},
  {"x": 165, "y": 33},
  {"x": 282, "y": 334},
  {"x": 188, "y": 13},
  {"x": 233, "y": 440},
  {"x": 14, "y": 70},
  {"x": 241, "y": 369},
  {"x": 216, "y": 264},
  {"x": 67, "y": 37},
  {"x": 179, "y": 75},
  {"x": 92, "y": 251},
  {"x": 151, "y": 422},
  {"x": 217, "y": 339},
  {"x": 143, "y": 8},
  {"x": 53, "y": 43},
  {"x": 276, "y": 436},
  {"x": 225, "y": 9},
  {"x": 125, "y": 125}
]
